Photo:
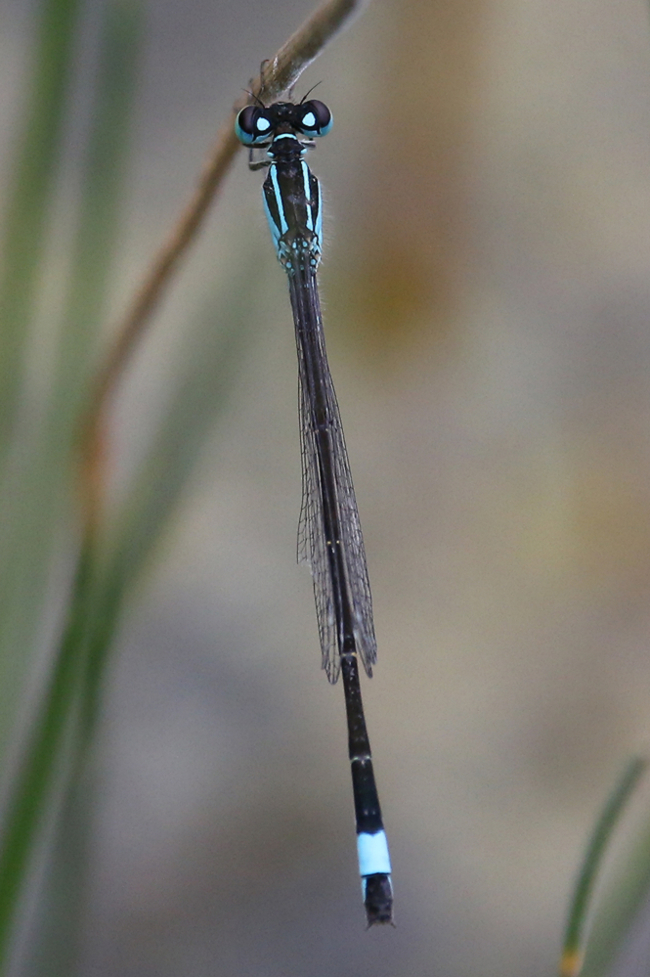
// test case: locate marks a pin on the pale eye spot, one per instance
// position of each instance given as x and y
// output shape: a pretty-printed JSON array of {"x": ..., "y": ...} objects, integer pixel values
[
  {"x": 309, "y": 120},
  {"x": 263, "y": 125}
]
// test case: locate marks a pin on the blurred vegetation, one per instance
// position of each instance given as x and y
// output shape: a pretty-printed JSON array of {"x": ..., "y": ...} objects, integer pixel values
[
  {"x": 605, "y": 947},
  {"x": 46, "y": 732}
]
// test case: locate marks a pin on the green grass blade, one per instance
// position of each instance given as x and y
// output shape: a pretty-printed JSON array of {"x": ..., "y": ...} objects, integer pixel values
[
  {"x": 98, "y": 229},
  {"x": 30, "y": 194},
  {"x": 35, "y": 496},
  {"x": 626, "y": 898},
  {"x": 35, "y": 779},
  {"x": 40, "y": 487},
  {"x": 24, "y": 521},
  {"x": 574, "y": 940},
  {"x": 103, "y": 583},
  {"x": 56, "y": 938}
]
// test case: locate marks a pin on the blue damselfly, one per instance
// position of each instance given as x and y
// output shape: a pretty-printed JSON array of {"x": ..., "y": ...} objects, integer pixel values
[{"x": 329, "y": 533}]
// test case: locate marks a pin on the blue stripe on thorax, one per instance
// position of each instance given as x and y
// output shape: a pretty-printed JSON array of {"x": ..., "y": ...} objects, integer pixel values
[{"x": 292, "y": 202}]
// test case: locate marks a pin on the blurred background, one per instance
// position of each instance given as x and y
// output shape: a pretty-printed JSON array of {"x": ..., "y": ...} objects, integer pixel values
[{"x": 487, "y": 301}]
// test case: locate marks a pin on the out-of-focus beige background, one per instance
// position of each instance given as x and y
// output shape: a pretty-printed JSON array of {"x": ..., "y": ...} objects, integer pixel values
[{"x": 487, "y": 299}]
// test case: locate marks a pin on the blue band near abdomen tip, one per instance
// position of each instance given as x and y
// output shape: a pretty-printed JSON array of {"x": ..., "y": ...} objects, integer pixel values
[{"x": 373, "y": 853}]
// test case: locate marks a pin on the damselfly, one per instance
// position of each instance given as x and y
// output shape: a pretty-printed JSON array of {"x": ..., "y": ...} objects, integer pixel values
[{"x": 329, "y": 532}]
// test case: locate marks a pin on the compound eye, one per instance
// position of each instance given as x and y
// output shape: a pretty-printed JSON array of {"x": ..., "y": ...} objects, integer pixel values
[
  {"x": 252, "y": 126},
  {"x": 316, "y": 118}
]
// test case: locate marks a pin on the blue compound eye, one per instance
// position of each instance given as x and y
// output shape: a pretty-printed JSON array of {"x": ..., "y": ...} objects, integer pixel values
[
  {"x": 252, "y": 126},
  {"x": 315, "y": 118}
]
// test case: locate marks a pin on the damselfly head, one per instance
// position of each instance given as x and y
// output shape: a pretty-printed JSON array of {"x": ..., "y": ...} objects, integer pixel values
[{"x": 257, "y": 125}]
